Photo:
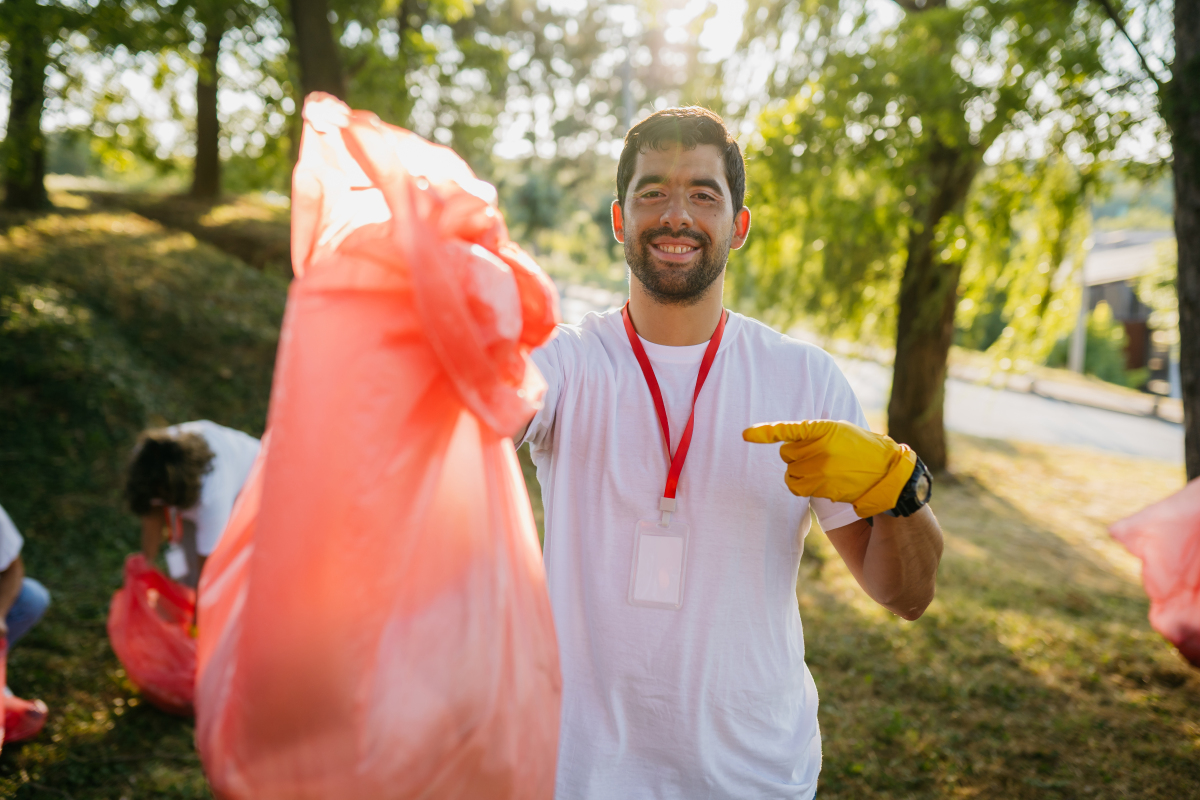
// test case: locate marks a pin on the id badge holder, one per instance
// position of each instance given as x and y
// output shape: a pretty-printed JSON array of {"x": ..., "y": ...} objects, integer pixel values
[{"x": 659, "y": 558}]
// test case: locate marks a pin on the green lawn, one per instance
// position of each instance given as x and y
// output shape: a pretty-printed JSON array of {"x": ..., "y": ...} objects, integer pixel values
[
  {"x": 1034, "y": 674},
  {"x": 108, "y": 323}
]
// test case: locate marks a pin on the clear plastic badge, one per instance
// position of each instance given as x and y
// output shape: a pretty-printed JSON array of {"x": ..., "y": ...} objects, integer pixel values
[
  {"x": 176, "y": 561},
  {"x": 659, "y": 556}
]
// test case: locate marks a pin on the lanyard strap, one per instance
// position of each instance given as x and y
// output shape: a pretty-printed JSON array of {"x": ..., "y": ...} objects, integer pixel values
[{"x": 667, "y": 505}]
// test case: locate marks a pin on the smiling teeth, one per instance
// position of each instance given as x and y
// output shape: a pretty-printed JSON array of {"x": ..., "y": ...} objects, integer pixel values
[{"x": 675, "y": 248}]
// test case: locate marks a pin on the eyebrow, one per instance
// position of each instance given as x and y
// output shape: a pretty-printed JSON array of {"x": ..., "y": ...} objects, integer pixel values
[{"x": 647, "y": 180}]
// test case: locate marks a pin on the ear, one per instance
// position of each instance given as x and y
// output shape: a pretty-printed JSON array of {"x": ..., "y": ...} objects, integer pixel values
[
  {"x": 741, "y": 228},
  {"x": 618, "y": 222}
]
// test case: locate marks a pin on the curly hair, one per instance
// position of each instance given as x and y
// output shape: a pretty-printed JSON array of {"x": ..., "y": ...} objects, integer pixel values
[{"x": 166, "y": 470}]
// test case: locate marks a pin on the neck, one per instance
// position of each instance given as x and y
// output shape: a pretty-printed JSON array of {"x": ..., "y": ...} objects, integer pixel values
[{"x": 675, "y": 325}]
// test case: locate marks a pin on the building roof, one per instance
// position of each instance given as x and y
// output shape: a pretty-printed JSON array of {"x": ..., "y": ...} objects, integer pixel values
[{"x": 1122, "y": 255}]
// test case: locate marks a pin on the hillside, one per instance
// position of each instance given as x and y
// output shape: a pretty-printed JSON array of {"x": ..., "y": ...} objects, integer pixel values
[{"x": 108, "y": 323}]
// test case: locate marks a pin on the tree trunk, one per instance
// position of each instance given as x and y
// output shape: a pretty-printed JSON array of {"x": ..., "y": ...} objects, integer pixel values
[
  {"x": 1184, "y": 118},
  {"x": 206, "y": 169},
  {"x": 24, "y": 142},
  {"x": 320, "y": 64},
  {"x": 925, "y": 322}
]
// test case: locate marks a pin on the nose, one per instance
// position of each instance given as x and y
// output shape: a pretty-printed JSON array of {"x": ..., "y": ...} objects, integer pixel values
[{"x": 675, "y": 216}]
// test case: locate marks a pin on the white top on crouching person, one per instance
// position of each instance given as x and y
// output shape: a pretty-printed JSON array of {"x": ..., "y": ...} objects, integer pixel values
[
  {"x": 183, "y": 481},
  {"x": 234, "y": 453}
]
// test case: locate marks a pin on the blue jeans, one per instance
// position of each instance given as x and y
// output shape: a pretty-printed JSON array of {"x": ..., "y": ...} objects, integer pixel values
[{"x": 29, "y": 607}]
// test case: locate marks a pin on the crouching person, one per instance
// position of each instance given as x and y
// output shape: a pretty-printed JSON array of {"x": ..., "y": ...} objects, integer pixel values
[
  {"x": 23, "y": 601},
  {"x": 182, "y": 481}
]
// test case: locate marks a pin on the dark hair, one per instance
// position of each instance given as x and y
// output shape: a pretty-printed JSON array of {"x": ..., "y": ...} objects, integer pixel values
[
  {"x": 166, "y": 470},
  {"x": 688, "y": 127}
]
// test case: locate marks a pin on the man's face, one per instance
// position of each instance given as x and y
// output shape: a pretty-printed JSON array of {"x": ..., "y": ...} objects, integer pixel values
[{"x": 678, "y": 223}]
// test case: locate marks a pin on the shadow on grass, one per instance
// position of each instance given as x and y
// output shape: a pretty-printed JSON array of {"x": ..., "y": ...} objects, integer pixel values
[
  {"x": 15, "y": 219},
  {"x": 1033, "y": 675},
  {"x": 259, "y": 236},
  {"x": 145, "y": 754}
]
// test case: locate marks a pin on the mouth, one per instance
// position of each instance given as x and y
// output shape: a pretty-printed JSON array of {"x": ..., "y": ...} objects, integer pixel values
[{"x": 674, "y": 252}]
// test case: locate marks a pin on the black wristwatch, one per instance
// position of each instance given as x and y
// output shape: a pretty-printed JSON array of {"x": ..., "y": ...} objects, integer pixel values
[{"x": 915, "y": 493}]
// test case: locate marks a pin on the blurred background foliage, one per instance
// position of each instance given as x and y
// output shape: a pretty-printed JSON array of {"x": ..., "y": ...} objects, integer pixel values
[
  {"x": 922, "y": 173},
  {"x": 843, "y": 106}
]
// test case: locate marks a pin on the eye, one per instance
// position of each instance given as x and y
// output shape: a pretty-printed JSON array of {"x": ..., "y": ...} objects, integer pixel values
[{"x": 651, "y": 193}]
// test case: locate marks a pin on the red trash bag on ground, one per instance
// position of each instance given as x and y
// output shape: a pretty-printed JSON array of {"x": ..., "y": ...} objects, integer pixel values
[
  {"x": 374, "y": 623},
  {"x": 150, "y": 627},
  {"x": 3, "y": 679},
  {"x": 1166, "y": 537}
]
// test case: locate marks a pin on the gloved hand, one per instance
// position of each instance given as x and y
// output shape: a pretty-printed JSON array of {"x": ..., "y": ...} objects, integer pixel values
[{"x": 840, "y": 461}]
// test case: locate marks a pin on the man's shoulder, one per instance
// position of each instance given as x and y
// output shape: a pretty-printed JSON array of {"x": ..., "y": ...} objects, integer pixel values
[
  {"x": 580, "y": 338},
  {"x": 765, "y": 342}
]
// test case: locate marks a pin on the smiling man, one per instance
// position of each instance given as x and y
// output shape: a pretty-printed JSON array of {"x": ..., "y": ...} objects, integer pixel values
[{"x": 673, "y": 537}]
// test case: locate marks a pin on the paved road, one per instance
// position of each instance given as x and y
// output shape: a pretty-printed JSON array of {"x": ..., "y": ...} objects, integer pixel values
[
  {"x": 981, "y": 410},
  {"x": 1001, "y": 414}
]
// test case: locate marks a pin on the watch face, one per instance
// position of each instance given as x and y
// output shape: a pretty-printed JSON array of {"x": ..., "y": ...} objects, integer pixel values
[{"x": 922, "y": 488}]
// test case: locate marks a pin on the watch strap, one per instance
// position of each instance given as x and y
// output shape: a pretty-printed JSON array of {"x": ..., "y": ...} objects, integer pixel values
[{"x": 909, "y": 503}]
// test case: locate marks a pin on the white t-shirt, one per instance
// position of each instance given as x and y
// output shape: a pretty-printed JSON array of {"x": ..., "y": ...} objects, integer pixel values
[
  {"x": 713, "y": 700},
  {"x": 233, "y": 456},
  {"x": 10, "y": 541}
]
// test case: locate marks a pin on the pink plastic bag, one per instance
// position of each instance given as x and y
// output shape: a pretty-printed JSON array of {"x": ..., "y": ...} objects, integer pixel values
[
  {"x": 374, "y": 623},
  {"x": 150, "y": 628},
  {"x": 1166, "y": 537},
  {"x": 3, "y": 680}
]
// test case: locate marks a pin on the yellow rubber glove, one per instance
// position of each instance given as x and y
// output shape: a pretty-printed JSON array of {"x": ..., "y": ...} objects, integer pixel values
[{"x": 840, "y": 461}]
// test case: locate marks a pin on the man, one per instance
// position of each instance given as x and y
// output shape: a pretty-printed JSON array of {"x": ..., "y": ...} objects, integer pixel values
[
  {"x": 23, "y": 601},
  {"x": 672, "y": 566},
  {"x": 183, "y": 481}
]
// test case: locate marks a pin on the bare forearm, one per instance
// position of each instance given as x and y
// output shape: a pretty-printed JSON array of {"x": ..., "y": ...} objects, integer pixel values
[
  {"x": 152, "y": 536},
  {"x": 899, "y": 567},
  {"x": 10, "y": 586}
]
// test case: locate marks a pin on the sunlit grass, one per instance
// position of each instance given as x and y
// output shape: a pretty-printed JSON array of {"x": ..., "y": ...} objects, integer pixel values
[
  {"x": 1034, "y": 673},
  {"x": 253, "y": 228}
]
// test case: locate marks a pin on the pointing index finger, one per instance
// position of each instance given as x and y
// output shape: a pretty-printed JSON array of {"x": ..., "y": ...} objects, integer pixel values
[{"x": 770, "y": 432}]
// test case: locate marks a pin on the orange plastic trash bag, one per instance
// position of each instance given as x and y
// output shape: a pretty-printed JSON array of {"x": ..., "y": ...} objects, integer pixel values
[
  {"x": 150, "y": 627},
  {"x": 1166, "y": 537},
  {"x": 3, "y": 680},
  {"x": 375, "y": 623}
]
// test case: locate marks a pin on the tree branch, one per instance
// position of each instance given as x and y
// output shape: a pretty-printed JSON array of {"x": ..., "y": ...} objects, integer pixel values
[
  {"x": 1116, "y": 18},
  {"x": 919, "y": 5}
]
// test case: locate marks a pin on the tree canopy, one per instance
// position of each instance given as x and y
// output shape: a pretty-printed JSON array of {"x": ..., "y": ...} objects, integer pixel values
[
  {"x": 871, "y": 163},
  {"x": 920, "y": 170}
]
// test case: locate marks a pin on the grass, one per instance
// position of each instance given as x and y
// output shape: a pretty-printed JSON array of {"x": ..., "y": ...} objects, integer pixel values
[
  {"x": 1033, "y": 675},
  {"x": 108, "y": 323},
  {"x": 252, "y": 228}
]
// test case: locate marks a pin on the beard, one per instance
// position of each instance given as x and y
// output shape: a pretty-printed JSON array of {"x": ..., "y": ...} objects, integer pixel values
[{"x": 671, "y": 285}]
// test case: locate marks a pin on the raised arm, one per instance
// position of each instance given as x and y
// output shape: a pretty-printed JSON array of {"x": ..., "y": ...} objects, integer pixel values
[
  {"x": 895, "y": 560},
  {"x": 10, "y": 586}
]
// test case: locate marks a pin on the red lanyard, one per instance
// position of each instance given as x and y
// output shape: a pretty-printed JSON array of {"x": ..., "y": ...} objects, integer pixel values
[{"x": 668, "y": 502}]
